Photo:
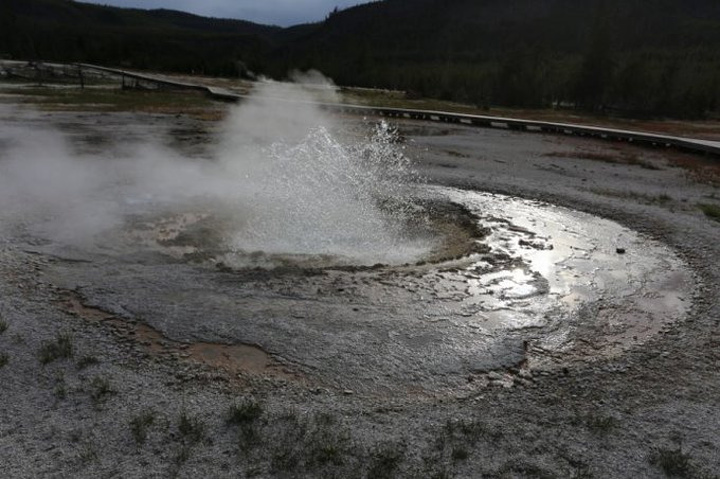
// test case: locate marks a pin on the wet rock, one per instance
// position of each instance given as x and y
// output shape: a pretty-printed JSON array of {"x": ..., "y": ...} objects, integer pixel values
[
  {"x": 502, "y": 384},
  {"x": 523, "y": 382},
  {"x": 494, "y": 376},
  {"x": 525, "y": 374}
]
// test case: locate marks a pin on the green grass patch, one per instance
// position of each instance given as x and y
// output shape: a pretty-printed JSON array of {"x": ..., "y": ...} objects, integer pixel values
[
  {"x": 711, "y": 210},
  {"x": 245, "y": 415},
  {"x": 100, "y": 390},
  {"x": 244, "y": 412},
  {"x": 115, "y": 99},
  {"x": 600, "y": 425},
  {"x": 87, "y": 361},
  {"x": 619, "y": 158},
  {"x": 661, "y": 199},
  {"x": 60, "y": 348},
  {"x": 300, "y": 442},
  {"x": 385, "y": 460},
  {"x": 460, "y": 453},
  {"x": 139, "y": 426},
  {"x": 468, "y": 431},
  {"x": 327, "y": 443},
  {"x": 191, "y": 428},
  {"x": 673, "y": 462},
  {"x": 88, "y": 454},
  {"x": 60, "y": 391}
]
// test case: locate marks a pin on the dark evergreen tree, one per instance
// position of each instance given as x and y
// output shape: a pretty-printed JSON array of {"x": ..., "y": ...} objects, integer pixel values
[{"x": 596, "y": 73}]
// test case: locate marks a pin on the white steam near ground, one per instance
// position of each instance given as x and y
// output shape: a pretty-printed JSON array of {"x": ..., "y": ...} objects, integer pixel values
[{"x": 285, "y": 182}]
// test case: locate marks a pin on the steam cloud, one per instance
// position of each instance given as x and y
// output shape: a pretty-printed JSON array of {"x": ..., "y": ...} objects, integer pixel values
[{"x": 284, "y": 179}]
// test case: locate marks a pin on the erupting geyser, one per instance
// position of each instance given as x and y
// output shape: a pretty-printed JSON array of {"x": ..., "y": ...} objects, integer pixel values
[
  {"x": 282, "y": 181},
  {"x": 347, "y": 200},
  {"x": 468, "y": 281},
  {"x": 306, "y": 190}
]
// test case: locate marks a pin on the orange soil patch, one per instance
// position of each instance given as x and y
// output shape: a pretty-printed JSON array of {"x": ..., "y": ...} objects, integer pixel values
[{"x": 234, "y": 359}]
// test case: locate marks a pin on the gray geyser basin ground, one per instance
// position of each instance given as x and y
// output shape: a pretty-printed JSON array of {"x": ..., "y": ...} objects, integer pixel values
[
  {"x": 550, "y": 275},
  {"x": 595, "y": 403},
  {"x": 551, "y": 286}
]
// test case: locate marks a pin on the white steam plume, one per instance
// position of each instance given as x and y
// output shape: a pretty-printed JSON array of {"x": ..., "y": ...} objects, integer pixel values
[{"x": 290, "y": 184}]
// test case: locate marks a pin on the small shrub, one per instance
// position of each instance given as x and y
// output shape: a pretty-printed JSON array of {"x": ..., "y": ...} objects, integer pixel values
[
  {"x": 326, "y": 453},
  {"x": 327, "y": 442},
  {"x": 460, "y": 454},
  {"x": 385, "y": 460},
  {"x": 139, "y": 426},
  {"x": 710, "y": 210},
  {"x": 60, "y": 390},
  {"x": 192, "y": 429},
  {"x": 701, "y": 170},
  {"x": 673, "y": 462},
  {"x": 183, "y": 455},
  {"x": 62, "y": 347},
  {"x": 100, "y": 390},
  {"x": 4, "y": 359},
  {"x": 244, "y": 412},
  {"x": 75, "y": 436},
  {"x": 248, "y": 437},
  {"x": 285, "y": 459},
  {"x": 289, "y": 446},
  {"x": 3, "y": 325},
  {"x": 87, "y": 361},
  {"x": 601, "y": 425},
  {"x": 88, "y": 453},
  {"x": 469, "y": 431}
]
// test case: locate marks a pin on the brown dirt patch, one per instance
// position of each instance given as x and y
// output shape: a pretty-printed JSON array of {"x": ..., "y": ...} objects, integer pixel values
[{"x": 237, "y": 360}]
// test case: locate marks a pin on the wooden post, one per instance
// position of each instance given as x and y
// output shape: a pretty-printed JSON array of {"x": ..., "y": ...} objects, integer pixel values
[
  {"x": 81, "y": 77},
  {"x": 38, "y": 73}
]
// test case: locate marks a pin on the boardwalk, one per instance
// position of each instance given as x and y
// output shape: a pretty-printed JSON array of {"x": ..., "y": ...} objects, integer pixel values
[{"x": 692, "y": 145}]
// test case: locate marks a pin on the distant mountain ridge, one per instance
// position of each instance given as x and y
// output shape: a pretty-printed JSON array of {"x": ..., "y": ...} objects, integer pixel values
[
  {"x": 63, "y": 11},
  {"x": 155, "y": 39},
  {"x": 642, "y": 56}
]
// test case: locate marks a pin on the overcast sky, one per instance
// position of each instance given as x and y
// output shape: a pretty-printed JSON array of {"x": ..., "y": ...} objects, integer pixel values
[{"x": 270, "y": 12}]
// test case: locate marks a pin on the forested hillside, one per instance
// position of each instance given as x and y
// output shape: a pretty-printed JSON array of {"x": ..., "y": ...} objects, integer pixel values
[
  {"x": 647, "y": 56},
  {"x": 639, "y": 57},
  {"x": 154, "y": 39}
]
